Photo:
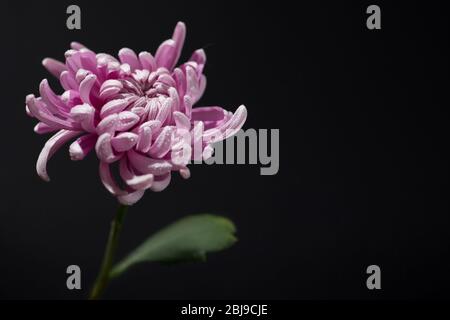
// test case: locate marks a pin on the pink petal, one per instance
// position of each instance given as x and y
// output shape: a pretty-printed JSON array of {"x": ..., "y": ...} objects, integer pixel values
[
  {"x": 164, "y": 111},
  {"x": 38, "y": 109},
  {"x": 42, "y": 128},
  {"x": 88, "y": 60},
  {"x": 53, "y": 101},
  {"x": 51, "y": 146},
  {"x": 76, "y": 45},
  {"x": 124, "y": 197},
  {"x": 161, "y": 182},
  {"x": 192, "y": 83},
  {"x": 178, "y": 37},
  {"x": 199, "y": 56},
  {"x": 180, "y": 79},
  {"x": 86, "y": 87},
  {"x": 108, "y": 180},
  {"x": 162, "y": 144},
  {"x": 113, "y": 106},
  {"x": 147, "y": 61},
  {"x": 182, "y": 121},
  {"x": 67, "y": 81},
  {"x": 126, "y": 120},
  {"x": 153, "y": 109},
  {"x": 109, "y": 88},
  {"x": 227, "y": 129},
  {"x": 128, "y": 56},
  {"x": 84, "y": 114},
  {"x": 166, "y": 54},
  {"x": 208, "y": 114},
  {"x": 108, "y": 124},
  {"x": 136, "y": 182},
  {"x": 173, "y": 94},
  {"x": 104, "y": 149},
  {"x": 124, "y": 141},
  {"x": 53, "y": 66},
  {"x": 148, "y": 165},
  {"x": 82, "y": 146},
  {"x": 131, "y": 198},
  {"x": 188, "y": 105},
  {"x": 185, "y": 173},
  {"x": 197, "y": 140},
  {"x": 144, "y": 139}
]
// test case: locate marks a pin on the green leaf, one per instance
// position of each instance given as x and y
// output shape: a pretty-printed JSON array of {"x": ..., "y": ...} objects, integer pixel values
[{"x": 188, "y": 239}]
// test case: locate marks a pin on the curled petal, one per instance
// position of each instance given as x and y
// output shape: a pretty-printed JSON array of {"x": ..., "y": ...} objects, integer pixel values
[
  {"x": 124, "y": 141},
  {"x": 166, "y": 54},
  {"x": 147, "y": 61},
  {"x": 173, "y": 94},
  {"x": 124, "y": 197},
  {"x": 88, "y": 60},
  {"x": 76, "y": 45},
  {"x": 107, "y": 124},
  {"x": 50, "y": 147},
  {"x": 144, "y": 139},
  {"x": 126, "y": 120},
  {"x": 182, "y": 121},
  {"x": 38, "y": 109},
  {"x": 84, "y": 114},
  {"x": 148, "y": 165},
  {"x": 53, "y": 66},
  {"x": 128, "y": 56},
  {"x": 104, "y": 149},
  {"x": 131, "y": 198},
  {"x": 109, "y": 88},
  {"x": 192, "y": 84},
  {"x": 67, "y": 81},
  {"x": 199, "y": 56},
  {"x": 208, "y": 114},
  {"x": 42, "y": 128},
  {"x": 179, "y": 34},
  {"x": 164, "y": 111},
  {"x": 180, "y": 79},
  {"x": 134, "y": 181},
  {"x": 162, "y": 144},
  {"x": 113, "y": 106},
  {"x": 185, "y": 173},
  {"x": 82, "y": 146},
  {"x": 153, "y": 110},
  {"x": 188, "y": 105},
  {"x": 81, "y": 75},
  {"x": 152, "y": 124},
  {"x": 108, "y": 180},
  {"x": 161, "y": 182},
  {"x": 86, "y": 87},
  {"x": 53, "y": 101},
  {"x": 227, "y": 129}
]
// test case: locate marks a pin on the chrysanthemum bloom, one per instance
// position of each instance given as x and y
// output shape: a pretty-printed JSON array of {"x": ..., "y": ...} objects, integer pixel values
[{"x": 135, "y": 111}]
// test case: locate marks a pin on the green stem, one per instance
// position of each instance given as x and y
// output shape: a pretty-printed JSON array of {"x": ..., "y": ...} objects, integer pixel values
[{"x": 104, "y": 276}]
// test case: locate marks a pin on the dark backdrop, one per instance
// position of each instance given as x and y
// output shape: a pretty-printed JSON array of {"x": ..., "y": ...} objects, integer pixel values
[{"x": 363, "y": 174}]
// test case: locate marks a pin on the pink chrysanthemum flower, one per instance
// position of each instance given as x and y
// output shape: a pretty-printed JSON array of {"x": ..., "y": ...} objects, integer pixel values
[{"x": 135, "y": 111}]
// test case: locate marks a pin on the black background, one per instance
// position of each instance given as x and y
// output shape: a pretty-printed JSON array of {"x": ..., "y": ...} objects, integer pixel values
[{"x": 363, "y": 174}]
